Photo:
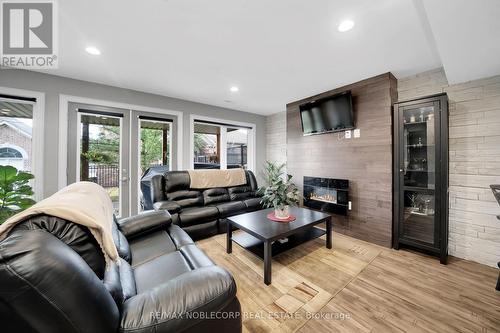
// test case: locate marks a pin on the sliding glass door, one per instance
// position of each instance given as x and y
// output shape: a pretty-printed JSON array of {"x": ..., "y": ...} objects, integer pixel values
[
  {"x": 100, "y": 154},
  {"x": 116, "y": 148},
  {"x": 155, "y": 145},
  {"x": 154, "y": 154},
  {"x": 98, "y": 145}
]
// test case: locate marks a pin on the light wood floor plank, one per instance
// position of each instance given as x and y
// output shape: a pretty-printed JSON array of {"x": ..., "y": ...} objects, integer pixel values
[{"x": 360, "y": 287}]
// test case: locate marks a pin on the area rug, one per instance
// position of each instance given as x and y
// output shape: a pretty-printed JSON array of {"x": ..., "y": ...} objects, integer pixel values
[{"x": 304, "y": 279}]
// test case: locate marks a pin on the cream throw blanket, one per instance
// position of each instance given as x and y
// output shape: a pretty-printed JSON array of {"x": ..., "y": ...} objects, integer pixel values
[
  {"x": 83, "y": 203},
  {"x": 217, "y": 178}
]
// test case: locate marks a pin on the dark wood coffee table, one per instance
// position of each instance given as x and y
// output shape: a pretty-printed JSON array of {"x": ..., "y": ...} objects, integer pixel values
[{"x": 261, "y": 235}]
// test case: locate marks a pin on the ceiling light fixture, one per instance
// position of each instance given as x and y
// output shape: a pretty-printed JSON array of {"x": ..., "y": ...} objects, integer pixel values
[
  {"x": 345, "y": 25},
  {"x": 234, "y": 89},
  {"x": 5, "y": 110},
  {"x": 93, "y": 50}
]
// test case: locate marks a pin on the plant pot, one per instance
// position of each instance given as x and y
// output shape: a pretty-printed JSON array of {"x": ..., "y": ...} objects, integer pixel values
[{"x": 282, "y": 212}]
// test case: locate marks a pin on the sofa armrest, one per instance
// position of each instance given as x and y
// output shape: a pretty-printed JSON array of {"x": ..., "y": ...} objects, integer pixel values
[
  {"x": 171, "y": 206},
  {"x": 183, "y": 302},
  {"x": 144, "y": 222}
]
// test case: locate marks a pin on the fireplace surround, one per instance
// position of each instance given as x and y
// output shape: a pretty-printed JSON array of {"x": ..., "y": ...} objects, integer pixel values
[{"x": 327, "y": 194}]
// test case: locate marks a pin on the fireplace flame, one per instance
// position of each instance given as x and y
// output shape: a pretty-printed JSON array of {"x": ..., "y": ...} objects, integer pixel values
[{"x": 324, "y": 197}]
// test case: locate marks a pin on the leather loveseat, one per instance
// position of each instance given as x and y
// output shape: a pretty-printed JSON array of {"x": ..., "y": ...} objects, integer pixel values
[
  {"x": 53, "y": 278},
  {"x": 202, "y": 212}
]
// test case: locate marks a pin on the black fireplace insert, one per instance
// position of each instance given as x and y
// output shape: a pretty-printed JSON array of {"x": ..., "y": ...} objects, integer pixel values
[{"x": 327, "y": 194}]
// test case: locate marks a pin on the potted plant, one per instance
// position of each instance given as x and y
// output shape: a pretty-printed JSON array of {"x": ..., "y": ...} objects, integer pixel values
[
  {"x": 280, "y": 192},
  {"x": 15, "y": 191}
]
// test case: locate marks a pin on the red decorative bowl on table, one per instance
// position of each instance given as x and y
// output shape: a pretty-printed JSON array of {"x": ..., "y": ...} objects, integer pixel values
[{"x": 273, "y": 217}]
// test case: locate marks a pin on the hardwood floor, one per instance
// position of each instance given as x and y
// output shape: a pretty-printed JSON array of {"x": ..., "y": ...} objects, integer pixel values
[{"x": 360, "y": 287}]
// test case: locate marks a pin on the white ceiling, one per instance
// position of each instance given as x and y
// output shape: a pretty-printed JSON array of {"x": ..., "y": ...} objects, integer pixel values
[
  {"x": 467, "y": 35},
  {"x": 275, "y": 51}
]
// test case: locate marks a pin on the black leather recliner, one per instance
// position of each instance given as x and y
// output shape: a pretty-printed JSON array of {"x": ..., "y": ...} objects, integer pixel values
[
  {"x": 53, "y": 278},
  {"x": 202, "y": 213}
]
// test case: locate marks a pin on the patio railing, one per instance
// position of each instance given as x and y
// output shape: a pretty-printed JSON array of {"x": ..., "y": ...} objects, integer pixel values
[{"x": 105, "y": 175}]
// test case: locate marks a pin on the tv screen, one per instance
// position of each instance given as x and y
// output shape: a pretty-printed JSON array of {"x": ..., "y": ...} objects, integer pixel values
[{"x": 331, "y": 114}]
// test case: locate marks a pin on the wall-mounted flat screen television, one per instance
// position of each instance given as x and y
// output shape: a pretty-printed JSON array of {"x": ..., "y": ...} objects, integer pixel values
[{"x": 332, "y": 114}]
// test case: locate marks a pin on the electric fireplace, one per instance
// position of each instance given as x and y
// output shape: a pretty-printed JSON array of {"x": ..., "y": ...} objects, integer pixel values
[{"x": 327, "y": 194}]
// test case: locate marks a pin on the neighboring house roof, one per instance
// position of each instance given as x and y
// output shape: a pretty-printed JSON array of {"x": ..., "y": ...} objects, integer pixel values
[{"x": 18, "y": 125}]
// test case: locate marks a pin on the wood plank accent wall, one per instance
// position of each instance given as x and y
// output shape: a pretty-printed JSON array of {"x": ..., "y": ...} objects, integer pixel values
[{"x": 365, "y": 161}]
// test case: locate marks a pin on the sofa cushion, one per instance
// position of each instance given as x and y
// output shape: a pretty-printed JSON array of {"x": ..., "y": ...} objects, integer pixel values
[
  {"x": 197, "y": 215},
  {"x": 253, "y": 204},
  {"x": 186, "y": 198},
  {"x": 160, "y": 270},
  {"x": 203, "y": 230},
  {"x": 182, "y": 305},
  {"x": 238, "y": 193},
  {"x": 176, "y": 181},
  {"x": 171, "y": 206},
  {"x": 215, "y": 195},
  {"x": 150, "y": 246},
  {"x": 231, "y": 208}
]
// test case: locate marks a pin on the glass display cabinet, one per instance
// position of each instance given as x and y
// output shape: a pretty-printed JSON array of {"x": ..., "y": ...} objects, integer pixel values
[{"x": 421, "y": 175}]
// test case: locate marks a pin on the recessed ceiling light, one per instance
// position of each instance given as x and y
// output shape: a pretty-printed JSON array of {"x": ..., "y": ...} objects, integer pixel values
[
  {"x": 234, "y": 89},
  {"x": 93, "y": 50},
  {"x": 5, "y": 110},
  {"x": 345, "y": 25}
]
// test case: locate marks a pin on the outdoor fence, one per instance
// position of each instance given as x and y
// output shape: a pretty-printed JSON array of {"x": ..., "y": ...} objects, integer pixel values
[{"x": 105, "y": 175}]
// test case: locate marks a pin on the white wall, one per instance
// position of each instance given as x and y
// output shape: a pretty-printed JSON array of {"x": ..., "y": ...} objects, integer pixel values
[
  {"x": 474, "y": 132},
  {"x": 53, "y": 86}
]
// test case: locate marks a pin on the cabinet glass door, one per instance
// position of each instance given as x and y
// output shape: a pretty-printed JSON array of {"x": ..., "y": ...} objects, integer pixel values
[{"x": 418, "y": 172}]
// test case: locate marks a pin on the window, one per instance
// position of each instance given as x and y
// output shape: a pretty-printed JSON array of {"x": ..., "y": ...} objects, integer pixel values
[
  {"x": 237, "y": 147},
  {"x": 8, "y": 153},
  {"x": 207, "y": 150},
  {"x": 16, "y": 128},
  {"x": 218, "y": 145},
  {"x": 12, "y": 157},
  {"x": 21, "y": 130}
]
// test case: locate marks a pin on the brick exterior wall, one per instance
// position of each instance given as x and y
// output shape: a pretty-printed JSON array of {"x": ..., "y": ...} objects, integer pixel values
[
  {"x": 474, "y": 120},
  {"x": 13, "y": 137}
]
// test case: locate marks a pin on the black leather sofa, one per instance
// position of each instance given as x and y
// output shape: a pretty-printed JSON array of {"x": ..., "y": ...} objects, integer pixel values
[
  {"x": 202, "y": 213},
  {"x": 53, "y": 278}
]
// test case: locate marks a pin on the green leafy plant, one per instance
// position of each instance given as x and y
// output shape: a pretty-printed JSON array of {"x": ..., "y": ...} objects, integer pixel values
[
  {"x": 280, "y": 190},
  {"x": 15, "y": 191}
]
